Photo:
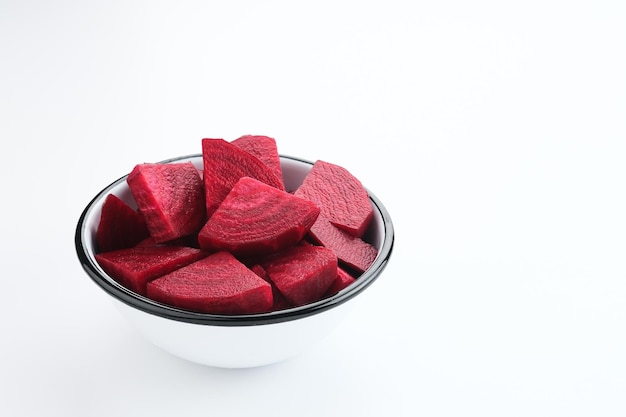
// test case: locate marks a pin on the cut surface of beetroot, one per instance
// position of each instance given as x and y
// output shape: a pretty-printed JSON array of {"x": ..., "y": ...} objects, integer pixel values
[
  {"x": 135, "y": 267},
  {"x": 120, "y": 226},
  {"x": 189, "y": 240},
  {"x": 224, "y": 164},
  {"x": 170, "y": 197},
  {"x": 351, "y": 250},
  {"x": 302, "y": 273},
  {"x": 256, "y": 218},
  {"x": 217, "y": 284},
  {"x": 280, "y": 302},
  {"x": 264, "y": 148},
  {"x": 341, "y": 197},
  {"x": 343, "y": 280}
]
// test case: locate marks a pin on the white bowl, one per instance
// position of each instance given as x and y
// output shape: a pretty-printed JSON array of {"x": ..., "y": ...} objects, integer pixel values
[{"x": 231, "y": 341}]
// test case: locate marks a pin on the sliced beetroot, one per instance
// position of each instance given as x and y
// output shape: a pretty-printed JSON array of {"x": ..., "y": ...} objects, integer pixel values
[
  {"x": 120, "y": 226},
  {"x": 264, "y": 148},
  {"x": 340, "y": 196},
  {"x": 224, "y": 164},
  {"x": 260, "y": 249},
  {"x": 135, "y": 267},
  {"x": 218, "y": 284},
  {"x": 147, "y": 242},
  {"x": 343, "y": 280},
  {"x": 350, "y": 250},
  {"x": 280, "y": 302},
  {"x": 302, "y": 273},
  {"x": 258, "y": 269},
  {"x": 189, "y": 240},
  {"x": 256, "y": 219},
  {"x": 170, "y": 197}
]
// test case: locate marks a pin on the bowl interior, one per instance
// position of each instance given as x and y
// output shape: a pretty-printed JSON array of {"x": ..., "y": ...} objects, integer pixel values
[{"x": 380, "y": 234}]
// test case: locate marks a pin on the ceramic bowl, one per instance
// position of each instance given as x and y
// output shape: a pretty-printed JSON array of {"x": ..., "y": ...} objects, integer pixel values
[{"x": 231, "y": 341}]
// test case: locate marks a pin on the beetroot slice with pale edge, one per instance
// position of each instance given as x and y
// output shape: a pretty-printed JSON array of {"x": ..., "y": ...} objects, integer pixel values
[
  {"x": 256, "y": 219},
  {"x": 351, "y": 250},
  {"x": 340, "y": 196},
  {"x": 302, "y": 273},
  {"x": 224, "y": 164},
  {"x": 264, "y": 148},
  {"x": 170, "y": 197},
  {"x": 135, "y": 267},
  {"x": 217, "y": 284},
  {"x": 343, "y": 280},
  {"x": 120, "y": 226}
]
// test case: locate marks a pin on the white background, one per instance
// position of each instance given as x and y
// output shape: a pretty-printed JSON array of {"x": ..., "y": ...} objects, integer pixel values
[{"x": 494, "y": 132}]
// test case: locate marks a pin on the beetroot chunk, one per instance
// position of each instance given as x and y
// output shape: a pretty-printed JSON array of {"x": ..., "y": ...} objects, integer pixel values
[
  {"x": 170, "y": 197},
  {"x": 302, "y": 273},
  {"x": 343, "y": 280},
  {"x": 135, "y": 267},
  {"x": 189, "y": 240},
  {"x": 340, "y": 196},
  {"x": 256, "y": 219},
  {"x": 225, "y": 164},
  {"x": 120, "y": 226},
  {"x": 217, "y": 284},
  {"x": 264, "y": 148},
  {"x": 351, "y": 250},
  {"x": 280, "y": 302}
]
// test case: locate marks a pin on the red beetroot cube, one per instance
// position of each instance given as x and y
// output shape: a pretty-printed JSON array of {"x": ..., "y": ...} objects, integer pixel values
[
  {"x": 302, "y": 273},
  {"x": 170, "y": 197},
  {"x": 217, "y": 284}
]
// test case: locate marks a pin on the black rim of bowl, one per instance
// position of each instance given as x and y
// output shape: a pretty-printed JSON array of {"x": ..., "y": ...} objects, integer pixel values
[{"x": 147, "y": 305}]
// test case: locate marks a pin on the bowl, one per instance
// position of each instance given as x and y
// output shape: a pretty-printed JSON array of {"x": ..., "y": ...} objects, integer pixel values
[{"x": 231, "y": 341}]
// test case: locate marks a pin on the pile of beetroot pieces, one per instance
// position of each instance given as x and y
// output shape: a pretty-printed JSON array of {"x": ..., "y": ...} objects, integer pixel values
[{"x": 229, "y": 238}]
